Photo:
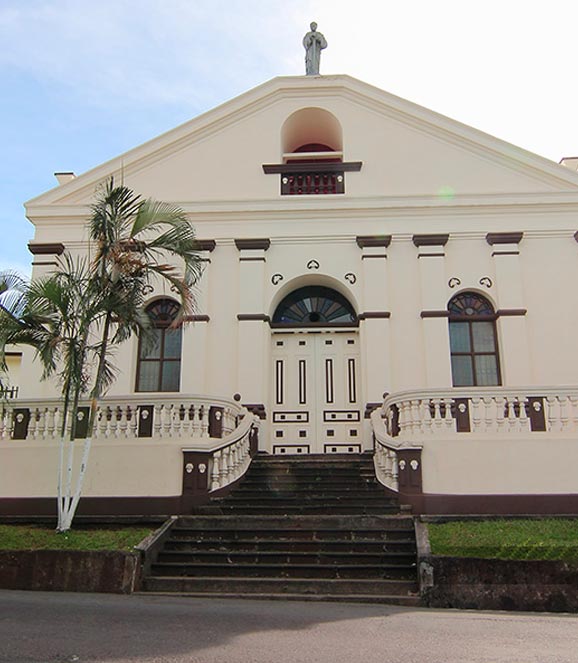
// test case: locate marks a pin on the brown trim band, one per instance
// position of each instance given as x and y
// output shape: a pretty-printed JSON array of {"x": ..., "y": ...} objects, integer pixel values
[
  {"x": 529, "y": 504},
  {"x": 253, "y": 316},
  {"x": 504, "y": 238},
  {"x": 51, "y": 263},
  {"x": 256, "y": 259},
  {"x": 431, "y": 255},
  {"x": 205, "y": 244},
  {"x": 56, "y": 248},
  {"x": 314, "y": 325},
  {"x": 253, "y": 244},
  {"x": 364, "y": 241},
  {"x": 312, "y": 167},
  {"x": 434, "y": 314},
  {"x": 372, "y": 255},
  {"x": 505, "y": 253},
  {"x": 196, "y": 318},
  {"x": 374, "y": 314},
  {"x": 511, "y": 311},
  {"x": 13, "y": 354},
  {"x": 430, "y": 240}
]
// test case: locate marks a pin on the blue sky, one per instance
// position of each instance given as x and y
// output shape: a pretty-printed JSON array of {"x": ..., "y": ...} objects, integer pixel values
[{"x": 85, "y": 80}]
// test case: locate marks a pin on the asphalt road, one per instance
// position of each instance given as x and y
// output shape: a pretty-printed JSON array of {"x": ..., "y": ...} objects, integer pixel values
[{"x": 40, "y": 627}]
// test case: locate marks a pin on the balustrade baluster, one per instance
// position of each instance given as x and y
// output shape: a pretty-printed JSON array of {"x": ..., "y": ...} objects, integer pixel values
[
  {"x": 416, "y": 427},
  {"x": 501, "y": 413},
  {"x": 448, "y": 419},
  {"x": 204, "y": 421},
  {"x": 216, "y": 471},
  {"x": 437, "y": 415},
  {"x": 564, "y": 412},
  {"x": 523, "y": 420},
  {"x": 573, "y": 412},
  {"x": 554, "y": 424},
  {"x": 490, "y": 415}
]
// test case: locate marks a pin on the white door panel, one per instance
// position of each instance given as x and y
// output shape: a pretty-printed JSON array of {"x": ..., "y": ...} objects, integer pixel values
[{"x": 316, "y": 400}]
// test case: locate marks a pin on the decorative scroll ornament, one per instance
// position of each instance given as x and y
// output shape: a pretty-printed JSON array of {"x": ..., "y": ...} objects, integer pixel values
[
  {"x": 487, "y": 281},
  {"x": 276, "y": 278},
  {"x": 147, "y": 289},
  {"x": 351, "y": 278},
  {"x": 454, "y": 282},
  {"x": 189, "y": 467},
  {"x": 313, "y": 264}
]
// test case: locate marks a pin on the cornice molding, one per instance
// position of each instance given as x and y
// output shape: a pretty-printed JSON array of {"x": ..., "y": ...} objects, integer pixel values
[
  {"x": 364, "y": 241},
  {"x": 253, "y": 244},
  {"x": 431, "y": 240},
  {"x": 504, "y": 238},
  {"x": 48, "y": 249}
]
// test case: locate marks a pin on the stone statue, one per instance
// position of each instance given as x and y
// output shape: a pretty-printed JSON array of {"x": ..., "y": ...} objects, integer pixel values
[{"x": 314, "y": 42}]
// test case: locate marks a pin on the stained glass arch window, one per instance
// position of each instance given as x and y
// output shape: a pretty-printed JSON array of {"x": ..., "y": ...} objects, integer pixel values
[
  {"x": 159, "y": 361},
  {"x": 473, "y": 341},
  {"x": 314, "y": 306}
]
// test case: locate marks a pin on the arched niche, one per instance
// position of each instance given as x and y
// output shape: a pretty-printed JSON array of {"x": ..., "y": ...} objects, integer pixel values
[{"x": 311, "y": 131}]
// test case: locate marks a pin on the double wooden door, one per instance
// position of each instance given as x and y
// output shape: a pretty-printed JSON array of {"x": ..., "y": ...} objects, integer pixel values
[{"x": 316, "y": 393}]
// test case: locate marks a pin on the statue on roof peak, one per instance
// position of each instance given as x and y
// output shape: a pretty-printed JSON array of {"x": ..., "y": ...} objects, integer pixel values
[{"x": 314, "y": 42}]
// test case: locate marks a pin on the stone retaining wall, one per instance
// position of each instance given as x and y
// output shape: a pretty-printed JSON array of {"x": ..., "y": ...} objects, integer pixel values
[
  {"x": 70, "y": 570},
  {"x": 495, "y": 584}
]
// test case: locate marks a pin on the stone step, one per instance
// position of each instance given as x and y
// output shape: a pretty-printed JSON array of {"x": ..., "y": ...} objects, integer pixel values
[
  {"x": 270, "y": 570},
  {"x": 310, "y": 499},
  {"x": 287, "y": 556},
  {"x": 282, "y": 586},
  {"x": 322, "y": 509},
  {"x": 334, "y": 522},
  {"x": 405, "y": 546},
  {"x": 410, "y": 600}
]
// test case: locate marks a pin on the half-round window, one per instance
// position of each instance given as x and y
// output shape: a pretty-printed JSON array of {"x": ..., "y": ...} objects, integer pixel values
[
  {"x": 473, "y": 342},
  {"x": 315, "y": 306}
]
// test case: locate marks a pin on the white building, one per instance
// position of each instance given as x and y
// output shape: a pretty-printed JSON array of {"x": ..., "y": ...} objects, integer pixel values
[{"x": 356, "y": 245}]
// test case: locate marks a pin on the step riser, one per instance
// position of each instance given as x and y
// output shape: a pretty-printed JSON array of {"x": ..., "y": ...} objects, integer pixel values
[
  {"x": 311, "y": 547},
  {"x": 281, "y": 586},
  {"x": 286, "y": 557},
  {"x": 289, "y": 572}
]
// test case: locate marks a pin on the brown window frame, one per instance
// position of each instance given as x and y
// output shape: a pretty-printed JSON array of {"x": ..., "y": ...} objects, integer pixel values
[
  {"x": 472, "y": 354},
  {"x": 161, "y": 360}
]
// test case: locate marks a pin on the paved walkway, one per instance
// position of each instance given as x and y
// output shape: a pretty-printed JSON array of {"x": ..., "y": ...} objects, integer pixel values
[{"x": 51, "y": 627}]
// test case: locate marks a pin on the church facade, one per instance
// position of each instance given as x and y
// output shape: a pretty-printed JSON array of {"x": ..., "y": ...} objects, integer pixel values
[{"x": 377, "y": 278}]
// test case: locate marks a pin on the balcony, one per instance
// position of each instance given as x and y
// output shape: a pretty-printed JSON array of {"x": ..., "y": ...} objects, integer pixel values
[{"x": 313, "y": 177}]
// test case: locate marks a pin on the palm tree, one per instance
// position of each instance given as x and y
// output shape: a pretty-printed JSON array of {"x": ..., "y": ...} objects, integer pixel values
[{"x": 77, "y": 316}]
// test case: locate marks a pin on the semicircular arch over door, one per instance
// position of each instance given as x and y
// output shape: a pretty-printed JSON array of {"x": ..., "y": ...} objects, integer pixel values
[{"x": 316, "y": 398}]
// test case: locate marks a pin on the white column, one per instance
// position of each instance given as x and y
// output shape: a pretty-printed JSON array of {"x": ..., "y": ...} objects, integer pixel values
[
  {"x": 254, "y": 332},
  {"x": 432, "y": 274},
  {"x": 511, "y": 326},
  {"x": 194, "y": 367},
  {"x": 375, "y": 337}
]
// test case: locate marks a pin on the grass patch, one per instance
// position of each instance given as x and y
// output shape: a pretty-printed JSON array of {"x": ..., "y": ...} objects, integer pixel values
[
  {"x": 30, "y": 537},
  {"x": 547, "y": 539}
]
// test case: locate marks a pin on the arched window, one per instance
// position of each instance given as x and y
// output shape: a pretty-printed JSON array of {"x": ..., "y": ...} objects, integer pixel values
[
  {"x": 473, "y": 344},
  {"x": 159, "y": 360},
  {"x": 314, "y": 305}
]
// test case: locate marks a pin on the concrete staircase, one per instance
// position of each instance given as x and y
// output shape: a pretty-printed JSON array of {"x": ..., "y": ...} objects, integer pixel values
[{"x": 303, "y": 528}]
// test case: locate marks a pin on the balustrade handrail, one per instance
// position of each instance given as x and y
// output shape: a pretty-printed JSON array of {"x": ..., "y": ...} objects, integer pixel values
[
  {"x": 469, "y": 392},
  {"x": 248, "y": 422},
  {"x": 138, "y": 399}
]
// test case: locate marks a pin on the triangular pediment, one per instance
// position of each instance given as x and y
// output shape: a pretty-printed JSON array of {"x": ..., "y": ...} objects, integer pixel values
[{"x": 406, "y": 151}]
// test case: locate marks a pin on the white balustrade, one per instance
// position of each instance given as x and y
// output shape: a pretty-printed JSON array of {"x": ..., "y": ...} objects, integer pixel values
[
  {"x": 174, "y": 417},
  {"x": 491, "y": 411}
]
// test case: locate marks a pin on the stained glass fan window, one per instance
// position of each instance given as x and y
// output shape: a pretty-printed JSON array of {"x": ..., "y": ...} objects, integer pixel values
[{"x": 315, "y": 305}]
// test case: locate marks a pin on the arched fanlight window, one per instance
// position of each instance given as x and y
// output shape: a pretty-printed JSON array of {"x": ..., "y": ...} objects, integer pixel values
[
  {"x": 473, "y": 343},
  {"x": 315, "y": 305},
  {"x": 159, "y": 360}
]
